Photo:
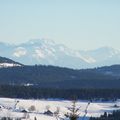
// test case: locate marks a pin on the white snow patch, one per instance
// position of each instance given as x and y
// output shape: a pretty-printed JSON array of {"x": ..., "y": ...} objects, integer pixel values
[
  {"x": 86, "y": 59},
  {"x": 8, "y": 65},
  {"x": 28, "y": 84},
  {"x": 20, "y": 51},
  {"x": 62, "y": 48},
  {"x": 43, "y": 52},
  {"x": 39, "y": 53}
]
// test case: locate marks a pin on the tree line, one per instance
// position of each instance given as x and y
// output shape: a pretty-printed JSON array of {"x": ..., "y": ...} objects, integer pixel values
[
  {"x": 16, "y": 91},
  {"x": 115, "y": 115}
]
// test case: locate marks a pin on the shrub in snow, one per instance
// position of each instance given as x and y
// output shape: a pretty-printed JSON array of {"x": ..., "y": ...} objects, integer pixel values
[{"x": 32, "y": 108}]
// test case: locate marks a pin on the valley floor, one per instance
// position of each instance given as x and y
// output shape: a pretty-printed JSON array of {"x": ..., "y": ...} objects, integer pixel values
[{"x": 20, "y": 108}]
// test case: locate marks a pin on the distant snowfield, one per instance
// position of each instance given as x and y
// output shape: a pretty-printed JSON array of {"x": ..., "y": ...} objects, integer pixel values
[
  {"x": 5, "y": 65},
  {"x": 8, "y": 108}
]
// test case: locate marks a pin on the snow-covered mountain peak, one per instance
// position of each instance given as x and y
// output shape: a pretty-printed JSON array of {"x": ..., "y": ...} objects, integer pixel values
[
  {"x": 106, "y": 49},
  {"x": 41, "y": 41},
  {"x": 47, "y": 52}
]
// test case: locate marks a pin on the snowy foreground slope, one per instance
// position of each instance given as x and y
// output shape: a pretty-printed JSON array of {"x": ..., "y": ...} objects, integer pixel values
[{"x": 8, "y": 108}]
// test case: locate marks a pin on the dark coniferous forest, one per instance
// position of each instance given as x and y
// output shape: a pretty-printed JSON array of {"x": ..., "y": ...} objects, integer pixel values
[
  {"x": 115, "y": 115},
  {"x": 15, "y": 91}
]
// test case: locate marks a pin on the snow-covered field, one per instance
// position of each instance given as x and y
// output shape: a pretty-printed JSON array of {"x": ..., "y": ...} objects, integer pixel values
[{"x": 15, "y": 107}]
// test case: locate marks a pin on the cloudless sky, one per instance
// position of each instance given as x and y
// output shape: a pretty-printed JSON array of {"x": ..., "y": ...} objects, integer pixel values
[{"x": 79, "y": 24}]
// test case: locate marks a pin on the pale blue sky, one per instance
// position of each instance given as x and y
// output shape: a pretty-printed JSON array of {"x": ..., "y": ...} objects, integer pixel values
[{"x": 79, "y": 24}]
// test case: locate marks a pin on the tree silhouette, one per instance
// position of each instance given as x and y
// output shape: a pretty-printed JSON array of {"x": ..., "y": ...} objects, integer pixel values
[{"x": 74, "y": 111}]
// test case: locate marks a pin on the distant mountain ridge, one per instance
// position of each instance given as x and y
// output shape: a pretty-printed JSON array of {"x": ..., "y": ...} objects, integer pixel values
[{"x": 47, "y": 52}]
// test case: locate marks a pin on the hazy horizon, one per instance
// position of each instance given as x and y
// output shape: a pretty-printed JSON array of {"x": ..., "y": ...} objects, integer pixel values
[
  {"x": 57, "y": 43},
  {"x": 78, "y": 24}
]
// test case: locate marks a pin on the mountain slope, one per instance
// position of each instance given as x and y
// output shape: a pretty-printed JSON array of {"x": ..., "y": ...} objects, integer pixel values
[
  {"x": 47, "y": 52},
  {"x": 104, "y": 56},
  {"x": 6, "y": 62}
]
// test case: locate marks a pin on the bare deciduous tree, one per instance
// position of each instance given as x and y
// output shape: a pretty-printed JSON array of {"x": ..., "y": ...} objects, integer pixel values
[{"x": 56, "y": 113}]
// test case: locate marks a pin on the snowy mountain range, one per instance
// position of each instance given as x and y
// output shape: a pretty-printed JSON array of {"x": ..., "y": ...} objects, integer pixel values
[{"x": 47, "y": 52}]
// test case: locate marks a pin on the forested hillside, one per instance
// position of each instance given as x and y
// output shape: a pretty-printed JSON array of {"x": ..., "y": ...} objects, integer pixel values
[{"x": 56, "y": 77}]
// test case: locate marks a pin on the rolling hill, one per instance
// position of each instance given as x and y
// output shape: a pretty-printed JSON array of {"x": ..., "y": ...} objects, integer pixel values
[{"x": 58, "y": 77}]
